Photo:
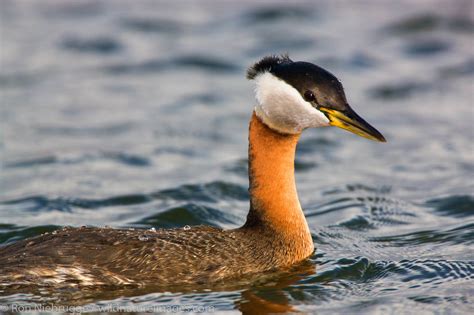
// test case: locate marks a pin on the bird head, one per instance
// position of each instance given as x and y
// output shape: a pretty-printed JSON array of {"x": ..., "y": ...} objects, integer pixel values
[{"x": 295, "y": 95}]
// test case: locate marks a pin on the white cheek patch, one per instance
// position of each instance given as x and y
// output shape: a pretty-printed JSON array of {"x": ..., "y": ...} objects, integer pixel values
[{"x": 282, "y": 108}]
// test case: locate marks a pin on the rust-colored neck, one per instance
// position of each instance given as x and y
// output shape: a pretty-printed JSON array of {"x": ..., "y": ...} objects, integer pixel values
[{"x": 273, "y": 198}]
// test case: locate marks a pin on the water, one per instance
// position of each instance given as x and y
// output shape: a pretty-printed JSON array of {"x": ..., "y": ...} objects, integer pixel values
[{"x": 135, "y": 114}]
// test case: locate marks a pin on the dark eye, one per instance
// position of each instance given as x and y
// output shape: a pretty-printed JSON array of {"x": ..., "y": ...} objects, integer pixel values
[{"x": 309, "y": 96}]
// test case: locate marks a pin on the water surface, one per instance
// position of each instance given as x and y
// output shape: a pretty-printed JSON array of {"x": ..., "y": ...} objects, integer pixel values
[{"x": 135, "y": 114}]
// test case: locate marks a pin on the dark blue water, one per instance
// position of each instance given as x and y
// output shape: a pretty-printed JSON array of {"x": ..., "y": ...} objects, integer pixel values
[{"x": 135, "y": 114}]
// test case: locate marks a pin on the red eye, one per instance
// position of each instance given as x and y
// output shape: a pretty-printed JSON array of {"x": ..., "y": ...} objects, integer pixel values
[{"x": 309, "y": 96}]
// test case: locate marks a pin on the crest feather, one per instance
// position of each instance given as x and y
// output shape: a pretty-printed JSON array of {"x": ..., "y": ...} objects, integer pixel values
[{"x": 266, "y": 64}]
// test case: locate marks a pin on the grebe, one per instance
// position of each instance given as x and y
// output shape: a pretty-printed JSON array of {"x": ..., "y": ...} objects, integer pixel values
[{"x": 291, "y": 96}]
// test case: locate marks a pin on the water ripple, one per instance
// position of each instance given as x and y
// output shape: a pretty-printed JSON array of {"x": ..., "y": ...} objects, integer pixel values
[
  {"x": 453, "y": 206},
  {"x": 459, "y": 234},
  {"x": 211, "y": 192},
  {"x": 347, "y": 273},
  {"x": 187, "y": 214},
  {"x": 401, "y": 90},
  {"x": 371, "y": 211},
  {"x": 151, "y": 25},
  {"x": 97, "y": 45},
  {"x": 124, "y": 158},
  {"x": 271, "y": 14},
  {"x": 425, "y": 48},
  {"x": 204, "y": 63},
  {"x": 10, "y": 233},
  {"x": 430, "y": 22}
]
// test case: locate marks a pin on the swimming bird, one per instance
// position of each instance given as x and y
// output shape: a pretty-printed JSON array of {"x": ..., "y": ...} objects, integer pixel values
[{"x": 291, "y": 96}]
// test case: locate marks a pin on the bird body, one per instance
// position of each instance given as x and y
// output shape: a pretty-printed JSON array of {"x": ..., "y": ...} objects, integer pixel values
[
  {"x": 291, "y": 96},
  {"x": 275, "y": 235}
]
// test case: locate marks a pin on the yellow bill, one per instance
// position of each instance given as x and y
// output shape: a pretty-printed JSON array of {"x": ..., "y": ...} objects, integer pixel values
[{"x": 349, "y": 120}]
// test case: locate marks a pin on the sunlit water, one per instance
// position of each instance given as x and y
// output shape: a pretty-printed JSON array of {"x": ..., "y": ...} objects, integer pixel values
[{"x": 135, "y": 114}]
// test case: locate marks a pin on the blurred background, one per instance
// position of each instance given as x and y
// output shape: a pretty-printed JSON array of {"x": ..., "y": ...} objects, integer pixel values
[{"x": 135, "y": 114}]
